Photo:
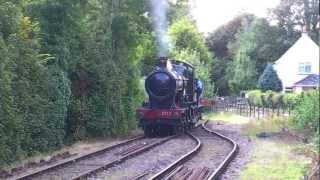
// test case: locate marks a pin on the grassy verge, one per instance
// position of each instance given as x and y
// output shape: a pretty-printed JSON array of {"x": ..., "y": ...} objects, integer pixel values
[
  {"x": 270, "y": 125},
  {"x": 273, "y": 158},
  {"x": 77, "y": 148},
  {"x": 226, "y": 117}
]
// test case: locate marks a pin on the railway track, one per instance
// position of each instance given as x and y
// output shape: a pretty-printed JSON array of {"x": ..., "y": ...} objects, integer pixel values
[
  {"x": 147, "y": 164},
  {"x": 204, "y": 161},
  {"x": 190, "y": 167},
  {"x": 83, "y": 166}
]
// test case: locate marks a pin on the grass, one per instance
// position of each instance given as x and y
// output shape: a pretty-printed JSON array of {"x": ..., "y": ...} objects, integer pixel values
[
  {"x": 226, "y": 117},
  {"x": 80, "y": 147},
  {"x": 271, "y": 159},
  {"x": 275, "y": 161},
  {"x": 271, "y": 125}
]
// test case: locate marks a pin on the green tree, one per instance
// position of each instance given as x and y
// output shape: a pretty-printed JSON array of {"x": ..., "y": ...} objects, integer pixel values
[
  {"x": 218, "y": 40},
  {"x": 218, "y": 43},
  {"x": 10, "y": 120},
  {"x": 188, "y": 45},
  {"x": 184, "y": 35},
  {"x": 242, "y": 73},
  {"x": 269, "y": 80},
  {"x": 178, "y": 10},
  {"x": 303, "y": 14},
  {"x": 258, "y": 43},
  {"x": 270, "y": 43},
  {"x": 68, "y": 70},
  {"x": 30, "y": 117}
]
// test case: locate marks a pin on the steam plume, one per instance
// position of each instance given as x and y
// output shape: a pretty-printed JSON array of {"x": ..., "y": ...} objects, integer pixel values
[{"x": 160, "y": 25}]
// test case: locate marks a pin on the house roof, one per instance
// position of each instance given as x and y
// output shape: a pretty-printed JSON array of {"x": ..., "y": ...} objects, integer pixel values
[
  {"x": 312, "y": 80},
  {"x": 304, "y": 47},
  {"x": 305, "y": 50}
]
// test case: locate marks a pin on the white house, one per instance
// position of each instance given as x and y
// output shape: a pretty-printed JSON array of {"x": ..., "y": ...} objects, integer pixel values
[
  {"x": 307, "y": 83},
  {"x": 300, "y": 61}
]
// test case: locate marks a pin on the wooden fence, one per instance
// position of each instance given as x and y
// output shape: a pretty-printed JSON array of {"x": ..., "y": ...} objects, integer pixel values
[{"x": 242, "y": 107}]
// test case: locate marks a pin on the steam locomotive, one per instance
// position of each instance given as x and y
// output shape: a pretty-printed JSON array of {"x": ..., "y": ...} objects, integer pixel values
[{"x": 173, "y": 104}]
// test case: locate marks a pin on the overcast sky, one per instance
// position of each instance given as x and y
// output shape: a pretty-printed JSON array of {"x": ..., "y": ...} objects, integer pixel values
[{"x": 211, "y": 14}]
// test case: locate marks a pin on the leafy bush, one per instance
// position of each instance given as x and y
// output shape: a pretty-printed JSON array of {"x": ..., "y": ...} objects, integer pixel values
[
  {"x": 277, "y": 100},
  {"x": 306, "y": 113},
  {"x": 66, "y": 77},
  {"x": 305, "y": 107},
  {"x": 290, "y": 100},
  {"x": 273, "y": 99},
  {"x": 254, "y": 97},
  {"x": 267, "y": 97},
  {"x": 32, "y": 116}
]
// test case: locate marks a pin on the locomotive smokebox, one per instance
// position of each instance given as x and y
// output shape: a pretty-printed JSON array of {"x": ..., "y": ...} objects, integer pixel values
[{"x": 161, "y": 85}]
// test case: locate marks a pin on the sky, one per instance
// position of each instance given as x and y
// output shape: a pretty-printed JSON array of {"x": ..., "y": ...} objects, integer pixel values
[{"x": 210, "y": 14}]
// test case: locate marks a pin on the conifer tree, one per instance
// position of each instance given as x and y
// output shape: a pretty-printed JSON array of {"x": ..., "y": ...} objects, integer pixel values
[{"x": 269, "y": 80}]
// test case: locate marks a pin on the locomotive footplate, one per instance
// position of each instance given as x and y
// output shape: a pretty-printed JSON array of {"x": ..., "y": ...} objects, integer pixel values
[{"x": 163, "y": 114}]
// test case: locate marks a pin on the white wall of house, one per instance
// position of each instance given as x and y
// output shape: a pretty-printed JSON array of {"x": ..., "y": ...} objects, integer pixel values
[
  {"x": 299, "y": 89},
  {"x": 299, "y": 61}
]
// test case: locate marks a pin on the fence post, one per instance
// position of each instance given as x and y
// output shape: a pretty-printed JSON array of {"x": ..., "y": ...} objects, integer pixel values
[
  {"x": 289, "y": 111},
  {"x": 247, "y": 110}
]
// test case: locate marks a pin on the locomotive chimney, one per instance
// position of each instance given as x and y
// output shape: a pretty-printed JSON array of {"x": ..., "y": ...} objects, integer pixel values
[{"x": 163, "y": 62}]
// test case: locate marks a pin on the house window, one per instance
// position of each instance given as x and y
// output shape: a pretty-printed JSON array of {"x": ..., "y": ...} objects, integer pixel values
[{"x": 304, "y": 67}]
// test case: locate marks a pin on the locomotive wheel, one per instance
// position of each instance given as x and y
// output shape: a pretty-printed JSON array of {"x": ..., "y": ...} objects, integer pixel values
[
  {"x": 149, "y": 131},
  {"x": 193, "y": 125},
  {"x": 182, "y": 130},
  {"x": 186, "y": 124},
  {"x": 176, "y": 129}
]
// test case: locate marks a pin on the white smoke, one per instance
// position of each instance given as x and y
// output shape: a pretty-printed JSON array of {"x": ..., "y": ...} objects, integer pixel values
[{"x": 160, "y": 25}]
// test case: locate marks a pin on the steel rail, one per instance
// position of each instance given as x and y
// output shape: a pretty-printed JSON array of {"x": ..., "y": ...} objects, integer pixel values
[
  {"x": 231, "y": 155},
  {"x": 121, "y": 159},
  {"x": 169, "y": 171},
  {"x": 89, "y": 155},
  {"x": 182, "y": 159},
  {"x": 72, "y": 160}
]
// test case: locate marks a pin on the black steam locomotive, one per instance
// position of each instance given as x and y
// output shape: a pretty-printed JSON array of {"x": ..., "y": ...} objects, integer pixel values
[{"x": 174, "y": 93}]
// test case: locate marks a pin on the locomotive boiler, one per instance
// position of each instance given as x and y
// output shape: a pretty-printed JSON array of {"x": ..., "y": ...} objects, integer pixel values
[{"x": 173, "y": 103}]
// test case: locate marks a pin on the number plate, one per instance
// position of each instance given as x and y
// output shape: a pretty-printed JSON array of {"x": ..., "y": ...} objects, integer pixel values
[{"x": 165, "y": 113}]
